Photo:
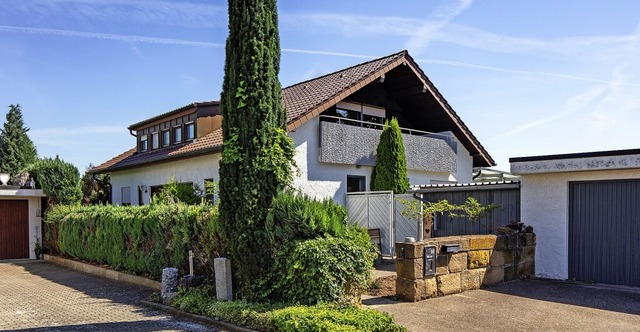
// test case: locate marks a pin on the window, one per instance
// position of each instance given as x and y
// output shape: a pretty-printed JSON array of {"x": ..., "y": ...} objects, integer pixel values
[
  {"x": 190, "y": 129},
  {"x": 355, "y": 183},
  {"x": 155, "y": 140},
  {"x": 177, "y": 135},
  {"x": 144, "y": 146},
  {"x": 348, "y": 114},
  {"x": 166, "y": 138},
  {"x": 126, "y": 195}
]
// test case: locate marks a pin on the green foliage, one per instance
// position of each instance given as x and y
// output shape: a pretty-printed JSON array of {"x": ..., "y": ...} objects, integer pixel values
[
  {"x": 174, "y": 192},
  {"x": 59, "y": 180},
  {"x": 294, "y": 216},
  {"x": 333, "y": 318},
  {"x": 140, "y": 239},
  {"x": 95, "y": 190},
  {"x": 16, "y": 148},
  {"x": 471, "y": 209},
  {"x": 278, "y": 317},
  {"x": 327, "y": 269},
  {"x": 390, "y": 172},
  {"x": 257, "y": 155}
]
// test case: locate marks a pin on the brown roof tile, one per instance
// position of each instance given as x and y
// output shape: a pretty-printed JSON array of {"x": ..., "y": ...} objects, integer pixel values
[{"x": 302, "y": 102}]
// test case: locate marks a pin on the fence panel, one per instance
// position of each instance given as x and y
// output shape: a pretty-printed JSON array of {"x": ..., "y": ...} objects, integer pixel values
[
  {"x": 374, "y": 210},
  {"x": 507, "y": 197}
]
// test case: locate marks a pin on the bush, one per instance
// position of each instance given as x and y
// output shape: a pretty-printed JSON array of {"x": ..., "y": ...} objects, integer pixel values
[
  {"x": 139, "y": 239},
  {"x": 332, "y": 318},
  {"x": 59, "y": 180},
  {"x": 321, "y": 270},
  {"x": 278, "y": 317},
  {"x": 294, "y": 216}
]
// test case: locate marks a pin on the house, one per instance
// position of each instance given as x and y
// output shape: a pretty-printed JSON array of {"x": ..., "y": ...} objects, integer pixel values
[
  {"x": 335, "y": 121},
  {"x": 585, "y": 210}
]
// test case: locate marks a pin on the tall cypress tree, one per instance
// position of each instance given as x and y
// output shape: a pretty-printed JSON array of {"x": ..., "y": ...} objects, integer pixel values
[
  {"x": 257, "y": 154},
  {"x": 390, "y": 172},
  {"x": 16, "y": 148}
]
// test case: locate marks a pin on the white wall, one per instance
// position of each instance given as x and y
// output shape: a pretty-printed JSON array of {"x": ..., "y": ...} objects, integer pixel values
[
  {"x": 316, "y": 179},
  {"x": 323, "y": 180},
  {"x": 545, "y": 206},
  {"x": 195, "y": 169}
]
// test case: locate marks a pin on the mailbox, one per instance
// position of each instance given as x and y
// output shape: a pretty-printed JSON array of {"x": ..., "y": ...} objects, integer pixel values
[
  {"x": 450, "y": 248},
  {"x": 429, "y": 260}
]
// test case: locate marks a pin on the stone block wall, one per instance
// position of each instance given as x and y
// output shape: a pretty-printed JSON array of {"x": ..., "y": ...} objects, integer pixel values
[{"x": 482, "y": 260}]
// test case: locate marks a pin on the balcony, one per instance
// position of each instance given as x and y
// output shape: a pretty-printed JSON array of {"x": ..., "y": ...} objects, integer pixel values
[{"x": 346, "y": 141}]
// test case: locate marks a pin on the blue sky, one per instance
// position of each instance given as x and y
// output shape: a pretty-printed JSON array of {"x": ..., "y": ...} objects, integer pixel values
[{"x": 527, "y": 77}]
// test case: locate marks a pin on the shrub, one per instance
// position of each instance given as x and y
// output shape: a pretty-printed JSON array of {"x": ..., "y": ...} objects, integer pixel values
[
  {"x": 59, "y": 180},
  {"x": 294, "y": 216},
  {"x": 278, "y": 317},
  {"x": 390, "y": 171},
  {"x": 139, "y": 239},
  {"x": 320, "y": 270},
  {"x": 332, "y": 318}
]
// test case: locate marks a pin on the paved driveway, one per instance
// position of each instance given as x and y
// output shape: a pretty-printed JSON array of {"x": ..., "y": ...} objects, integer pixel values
[
  {"x": 41, "y": 296},
  {"x": 523, "y": 305}
]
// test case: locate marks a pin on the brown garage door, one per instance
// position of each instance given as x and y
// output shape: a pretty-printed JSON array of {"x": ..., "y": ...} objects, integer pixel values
[{"x": 14, "y": 229}]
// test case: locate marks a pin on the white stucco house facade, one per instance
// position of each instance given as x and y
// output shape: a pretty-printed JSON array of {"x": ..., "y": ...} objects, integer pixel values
[
  {"x": 335, "y": 121},
  {"x": 585, "y": 210}
]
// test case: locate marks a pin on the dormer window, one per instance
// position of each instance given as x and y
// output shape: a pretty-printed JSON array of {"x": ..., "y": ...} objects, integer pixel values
[
  {"x": 144, "y": 146},
  {"x": 177, "y": 135},
  {"x": 155, "y": 140},
  {"x": 166, "y": 138},
  {"x": 190, "y": 129}
]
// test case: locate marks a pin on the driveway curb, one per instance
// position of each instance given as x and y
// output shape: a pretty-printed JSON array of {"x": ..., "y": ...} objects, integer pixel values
[
  {"x": 104, "y": 272},
  {"x": 204, "y": 319}
]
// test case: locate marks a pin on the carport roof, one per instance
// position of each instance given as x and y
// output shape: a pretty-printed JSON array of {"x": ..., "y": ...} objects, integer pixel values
[{"x": 576, "y": 162}]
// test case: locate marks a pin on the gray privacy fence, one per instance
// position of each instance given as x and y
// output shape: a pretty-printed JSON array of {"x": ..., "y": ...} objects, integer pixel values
[
  {"x": 383, "y": 210},
  {"x": 374, "y": 210}
]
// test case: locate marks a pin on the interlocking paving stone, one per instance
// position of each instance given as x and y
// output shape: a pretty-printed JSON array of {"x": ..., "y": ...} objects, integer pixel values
[{"x": 41, "y": 296}]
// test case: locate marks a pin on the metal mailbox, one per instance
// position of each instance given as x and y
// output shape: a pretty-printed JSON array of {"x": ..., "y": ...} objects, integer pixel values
[
  {"x": 450, "y": 248},
  {"x": 429, "y": 260}
]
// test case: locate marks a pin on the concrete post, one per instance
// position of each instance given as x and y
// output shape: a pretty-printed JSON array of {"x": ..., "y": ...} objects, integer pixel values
[{"x": 222, "y": 268}]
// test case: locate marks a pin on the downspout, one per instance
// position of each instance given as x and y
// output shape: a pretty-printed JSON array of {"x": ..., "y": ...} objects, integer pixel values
[
  {"x": 131, "y": 133},
  {"x": 477, "y": 175}
]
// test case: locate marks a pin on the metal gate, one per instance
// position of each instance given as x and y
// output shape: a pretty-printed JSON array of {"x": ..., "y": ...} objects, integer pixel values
[
  {"x": 604, "y": 228},
  {"x": 14, "y": 229},
  {"x": 374, "y": 210}
]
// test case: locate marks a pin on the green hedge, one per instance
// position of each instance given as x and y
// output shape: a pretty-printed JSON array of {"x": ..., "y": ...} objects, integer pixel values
[
  {"x": 138, "y": 239},
  {"x": 279, "y": 317}
]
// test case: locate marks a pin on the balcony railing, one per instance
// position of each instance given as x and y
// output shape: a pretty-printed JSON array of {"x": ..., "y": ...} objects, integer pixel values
[{"x": 347, "y": 141}]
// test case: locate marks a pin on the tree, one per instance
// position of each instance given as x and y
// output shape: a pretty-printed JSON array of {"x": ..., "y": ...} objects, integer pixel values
[
  {"x": 59, "y": 180},
  {"x": 390, "y": 172},
  {"x": 95, "y": 189},
  {"x": 257, "y": 155},
  {"x": 16, "y": 148}
]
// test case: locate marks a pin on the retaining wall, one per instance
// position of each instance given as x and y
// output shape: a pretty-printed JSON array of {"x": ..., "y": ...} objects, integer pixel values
[{"x": 480, "y": 260}]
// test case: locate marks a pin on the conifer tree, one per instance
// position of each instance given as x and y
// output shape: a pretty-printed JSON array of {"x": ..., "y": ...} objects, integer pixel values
[
  {"x": 16, "y": 148},
  {"x": 257, "y": 154},
  {"x": 390, "y": 172}
]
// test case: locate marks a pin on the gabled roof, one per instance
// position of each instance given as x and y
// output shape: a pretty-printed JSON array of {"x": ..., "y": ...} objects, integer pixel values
[{"x": 306, "y": 100}]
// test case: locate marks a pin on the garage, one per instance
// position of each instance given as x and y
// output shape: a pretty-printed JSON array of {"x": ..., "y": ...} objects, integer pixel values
[
  {"x": 604, "y": 232},
  {"x": 14, "y": 229},
  {"x": 585, "y": 210},
  {"x": 20, "y": 222}
]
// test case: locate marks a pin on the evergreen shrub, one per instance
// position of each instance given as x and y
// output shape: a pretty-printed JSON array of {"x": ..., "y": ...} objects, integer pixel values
[{"x": 139, "y": 239}]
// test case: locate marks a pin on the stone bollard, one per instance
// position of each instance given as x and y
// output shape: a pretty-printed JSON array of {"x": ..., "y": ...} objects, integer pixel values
[
  {"x": 169, "y": 284},
  {"x": 222, "y": 268}
]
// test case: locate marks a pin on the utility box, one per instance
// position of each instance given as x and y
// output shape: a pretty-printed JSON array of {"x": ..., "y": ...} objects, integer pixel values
[{"x": 429, "y": 260}]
